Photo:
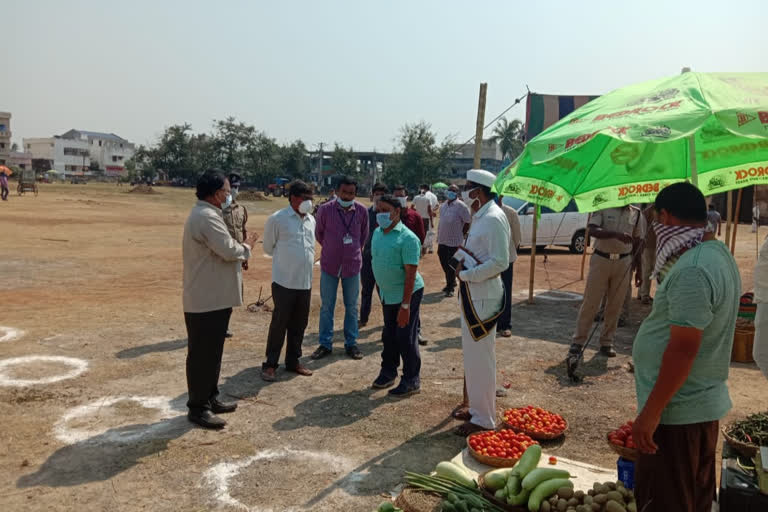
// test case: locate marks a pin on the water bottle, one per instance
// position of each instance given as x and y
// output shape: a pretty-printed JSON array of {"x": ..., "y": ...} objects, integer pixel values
[{"x": 626, "y": 470}]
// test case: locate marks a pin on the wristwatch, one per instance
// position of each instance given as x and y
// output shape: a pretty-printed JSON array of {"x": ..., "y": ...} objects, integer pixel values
[{"x": 405, "y": 306}]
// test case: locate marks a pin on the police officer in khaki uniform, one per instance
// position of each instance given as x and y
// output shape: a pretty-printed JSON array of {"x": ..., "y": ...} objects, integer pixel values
[
  {"x": 616, "y": 232},
  {"x": 235, "y": 217}
]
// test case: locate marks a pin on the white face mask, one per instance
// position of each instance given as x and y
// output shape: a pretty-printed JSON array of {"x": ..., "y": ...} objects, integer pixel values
[
  {"x": 465, "y": 197},
  {"x": 402, "y": 201},
  {"x": 305, "y": 207}
]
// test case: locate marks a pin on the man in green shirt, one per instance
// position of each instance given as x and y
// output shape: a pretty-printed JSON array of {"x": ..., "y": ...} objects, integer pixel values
[
  {"x": 395, "y": 254},
  {"x": 682, "y": 355}
]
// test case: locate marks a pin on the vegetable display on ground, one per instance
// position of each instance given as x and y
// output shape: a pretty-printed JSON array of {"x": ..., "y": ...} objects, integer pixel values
[{"x": 535, "y": 421}]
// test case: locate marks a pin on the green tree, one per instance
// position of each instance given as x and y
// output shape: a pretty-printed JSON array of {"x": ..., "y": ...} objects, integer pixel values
[
  {"x": 293, "y": 160},
  {"x": 509, "y": 136},
  {"x": 419, "y": 158},
  {"x": 344, "y": 161}
]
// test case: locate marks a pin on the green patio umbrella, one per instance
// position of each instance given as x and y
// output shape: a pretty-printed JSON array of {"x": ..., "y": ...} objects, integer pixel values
[
  {"x": 439, "y": 185},
  {"x": 623, "y": 147}
]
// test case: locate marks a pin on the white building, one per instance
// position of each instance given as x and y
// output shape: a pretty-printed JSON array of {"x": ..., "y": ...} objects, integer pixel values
[
  {"x": 5, "y": 137},
  {"x": 64, "y": 155},
  {"x": 107, "y": 150}
]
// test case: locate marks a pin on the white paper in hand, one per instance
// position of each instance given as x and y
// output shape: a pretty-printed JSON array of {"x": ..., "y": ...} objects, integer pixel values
[{"x": 466, "y": 259}]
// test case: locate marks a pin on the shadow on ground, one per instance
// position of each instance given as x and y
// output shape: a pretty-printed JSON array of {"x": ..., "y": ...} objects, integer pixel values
[
  {"x": 99, "y": 458},
  {"x": 333, "y": 411},
  {"x": 163, "y": 346}
]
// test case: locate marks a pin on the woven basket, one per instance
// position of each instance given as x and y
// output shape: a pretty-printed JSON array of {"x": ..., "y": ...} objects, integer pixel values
[
  {"x": 417, "y": 500},
  {"x": 627, "y": 453},
  {"x": 745, "y": 449},
  {"x": 497, "y": 462},
  {"x": 492, "y": 497},
  {"x": 539, "y": 436}
]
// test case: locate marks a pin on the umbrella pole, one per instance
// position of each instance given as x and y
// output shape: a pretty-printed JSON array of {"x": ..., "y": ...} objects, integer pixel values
[
  {"x": 757, "y": 231},
  {"x": 586, "y": 243},
  {"x": 533, "y": 252},
  {"x": 728, "y": 217},
  {"x": 692, "y": 156},
  {"x": 736, "y": 220}
]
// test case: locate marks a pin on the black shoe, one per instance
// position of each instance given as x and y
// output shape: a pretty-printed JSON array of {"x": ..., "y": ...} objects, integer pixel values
[
  {"x": 382, "y": 382},
  {"x": 362, "y": 323},
  {"x": 223, "y": 407},
  {"x": 622, "y": 322},
  {"x": 206, "y": 419},
  {"x": 575, "y": 349},
  {"x": 228, "y": 335},
  {"x": 607, "y": 351},
  {"x": 449, "y": 293},
  {"x": 354, "y": 352},
  {"x": 422, "y": 341},
  {"x": 403, "y": 390},
  {"x": 599, "y": 316},
  {"x": 320, "y": 353}
]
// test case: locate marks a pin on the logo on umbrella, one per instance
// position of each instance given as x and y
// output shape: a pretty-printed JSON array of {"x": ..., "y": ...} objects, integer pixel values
[
  {"x": 745, "y": 118},
  {"x": 655, "y": 98},
  {"x": 513, "y": 188},
  {"x": 599, "y": 199},
  {"x": 716, "y": 182},
  {"x": 553, "y": 147},
  {"x": 661, "y": 132}
]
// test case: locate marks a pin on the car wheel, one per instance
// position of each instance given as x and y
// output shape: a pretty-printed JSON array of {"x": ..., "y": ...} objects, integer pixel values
[{"x": 578, "y": 242}]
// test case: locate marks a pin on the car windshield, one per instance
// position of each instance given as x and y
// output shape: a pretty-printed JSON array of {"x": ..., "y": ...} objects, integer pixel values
[{"x": 513, "y": 202}]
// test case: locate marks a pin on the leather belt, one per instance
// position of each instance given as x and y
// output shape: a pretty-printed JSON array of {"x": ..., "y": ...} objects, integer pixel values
[{"x": 612, "y": 256}]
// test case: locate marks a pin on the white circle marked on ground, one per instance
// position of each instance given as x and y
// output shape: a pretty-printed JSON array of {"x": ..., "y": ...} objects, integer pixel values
[
  {"x": 10, "y": 333},
  {"x": 556, "y": 295},
  {"x": 219, "y": 475},
  {"x": 67, "y": 434},
  {"x": 78, "y": 367}
]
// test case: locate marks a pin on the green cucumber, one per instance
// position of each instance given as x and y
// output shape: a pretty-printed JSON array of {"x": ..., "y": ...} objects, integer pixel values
[
  {"x": 528, "y": 461},
  {"x": 518, "y": 499},
  {"x": 540, "y": 475},
  {"x": 497, "y": 479},
  {"x": 454, "y": 473},
  {"x": 544, "y": 490},
  {"x": 501, "y": 494}
]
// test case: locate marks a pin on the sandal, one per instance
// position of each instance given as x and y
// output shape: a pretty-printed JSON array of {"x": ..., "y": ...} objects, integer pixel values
[
  {"x": 467, "y": 429},
  {"x": 461, "y": 412}
]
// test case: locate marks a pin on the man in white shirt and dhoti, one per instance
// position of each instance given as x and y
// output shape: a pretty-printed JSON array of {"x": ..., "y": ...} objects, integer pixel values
[{"x": 483, "y": 258}]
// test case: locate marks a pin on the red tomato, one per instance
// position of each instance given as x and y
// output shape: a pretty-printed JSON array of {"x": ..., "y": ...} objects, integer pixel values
[{"x": 553, "y": 460}]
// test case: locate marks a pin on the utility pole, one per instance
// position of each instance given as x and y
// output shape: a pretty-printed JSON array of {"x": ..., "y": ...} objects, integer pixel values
[
  {"x": 479, "y": 126},
  {"x": 320, "y": 166}
]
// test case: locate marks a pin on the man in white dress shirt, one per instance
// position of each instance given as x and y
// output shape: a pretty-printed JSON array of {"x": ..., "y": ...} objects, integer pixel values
[
  {"x": 289, "y": 237},
  {"x": 481, "y": 298},
  {"x": 213, "y": 285}
]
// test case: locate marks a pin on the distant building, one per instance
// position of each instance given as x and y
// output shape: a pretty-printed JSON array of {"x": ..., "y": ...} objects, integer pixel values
[
  {"x": 68, "y": 156},
  {"x": 107, "y": 150},
  {"x": 5, "y": 137},
  {"x": 20, "y": 160},
  {"x": 77, "y": 151},
  {"x": 463, "y": 159}
]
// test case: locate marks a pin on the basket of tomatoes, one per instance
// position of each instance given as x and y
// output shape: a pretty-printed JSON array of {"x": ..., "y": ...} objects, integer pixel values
[
  {"x": 498, "y": 448},
  {"x": 536, "y": 422},
  {"x": 620, "y": 441}
]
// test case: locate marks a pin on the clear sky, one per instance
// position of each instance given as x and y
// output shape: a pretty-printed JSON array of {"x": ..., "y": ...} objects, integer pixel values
[{"x": 343, "y": 71}]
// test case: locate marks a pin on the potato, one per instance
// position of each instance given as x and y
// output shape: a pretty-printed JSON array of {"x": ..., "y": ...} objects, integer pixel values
[
  {"x": 611, "y": 485},
  {"x": 545, "y": 507},
  {"x": 591, "y": 492},
  {"x": 615, "y": 496},
  {"x": 632, "y": 507},
  {"x": 601, "y": 499},
  {"x": 565, "y": 492},
  {"x": 579, "y": 495},
  {"x": 603, "y": 489},
  {"x": 562, "y": 505},
  {"x": 553, "y": 500},
  {"x": 572, "y": 502},
  {"x": 583, "y": 508},
  {"x": 614, "y": 506},
  {"x": 588, "y": 500},
  {"x": 596, "y": 507}
]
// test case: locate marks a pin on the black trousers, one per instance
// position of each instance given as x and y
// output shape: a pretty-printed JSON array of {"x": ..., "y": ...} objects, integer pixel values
[
  {"x": 402, "y": 342},
  {"x": 290, "y": 317},
  {"x": 4, "y": 193},
  {"x": 367, "y": 285},
  {"x": 205, "y": 334},
  {"x": 505, "y": 320},
  {"x": 445, "y": 254}
]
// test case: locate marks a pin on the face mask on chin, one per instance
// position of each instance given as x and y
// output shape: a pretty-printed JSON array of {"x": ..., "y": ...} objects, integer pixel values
[
  {"x": 402, "y": 201},
  {"x": 227, "y": 202},
  {"x": 345, "y": 204},
  {"x": 305, "y": 207},
  {"x": 467, "y": 199}
]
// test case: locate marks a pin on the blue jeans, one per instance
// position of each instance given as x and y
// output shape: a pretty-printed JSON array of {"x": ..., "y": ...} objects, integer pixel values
[{"x": 350, "y": 287}]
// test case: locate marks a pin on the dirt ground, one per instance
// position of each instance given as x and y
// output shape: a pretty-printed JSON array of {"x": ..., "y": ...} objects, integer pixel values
[{"x": 94, "y": 273}]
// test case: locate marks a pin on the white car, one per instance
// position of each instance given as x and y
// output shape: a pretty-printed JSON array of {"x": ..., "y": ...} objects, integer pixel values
[{"x": 566, "y": 228}]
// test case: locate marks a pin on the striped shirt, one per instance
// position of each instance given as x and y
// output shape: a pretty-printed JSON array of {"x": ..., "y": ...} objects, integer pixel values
[
  {"x": 334, "y": 223},
  {"x": 453, "y": 216}
]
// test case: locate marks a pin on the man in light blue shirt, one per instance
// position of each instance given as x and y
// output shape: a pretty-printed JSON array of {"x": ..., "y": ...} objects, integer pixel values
[
  {"x": 396, "y": 251},
  {"x": 682, "y": 356}
]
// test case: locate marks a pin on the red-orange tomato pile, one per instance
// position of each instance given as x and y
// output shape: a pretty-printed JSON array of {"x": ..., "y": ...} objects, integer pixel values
[
  {"x": 622, "y": 436},
  {"x": 501, "y": 443},
  {"x": 535, "y": 420}
]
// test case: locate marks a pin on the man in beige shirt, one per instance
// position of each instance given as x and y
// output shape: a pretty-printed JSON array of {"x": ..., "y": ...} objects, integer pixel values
[
  {"x": 616, "y": 231},
  {"x": 212, "y": 287},
  {"x": 515, "y": 237}
]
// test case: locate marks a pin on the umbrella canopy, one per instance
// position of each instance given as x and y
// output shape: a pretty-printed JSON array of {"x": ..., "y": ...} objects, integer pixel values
[
  {"x": 625, "y": 146},
  {"x": 439, "y": 185},
  {"x": 5, "y": 170}
]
